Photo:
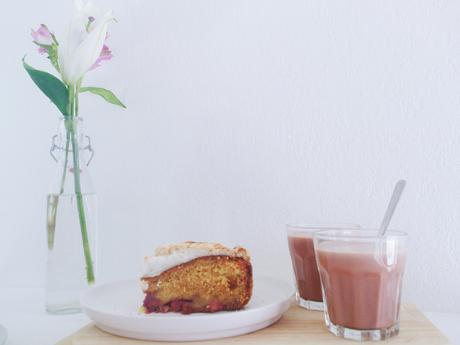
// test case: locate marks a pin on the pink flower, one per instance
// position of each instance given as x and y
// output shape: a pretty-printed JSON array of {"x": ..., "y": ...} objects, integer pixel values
[
  {"x": 105, "y": 55},
  {"x": 43, "y": 37}
]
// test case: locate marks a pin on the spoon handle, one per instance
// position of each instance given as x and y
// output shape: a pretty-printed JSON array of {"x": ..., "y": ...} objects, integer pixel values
[{"x": 399, "y": 188}]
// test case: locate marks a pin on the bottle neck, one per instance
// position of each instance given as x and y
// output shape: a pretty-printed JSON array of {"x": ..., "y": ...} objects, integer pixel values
[
  {"x": 72, "y": 151},
  {"x": 71, "y": 137}
]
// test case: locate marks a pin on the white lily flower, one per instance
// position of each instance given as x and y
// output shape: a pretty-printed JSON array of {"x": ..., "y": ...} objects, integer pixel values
[{"x": 84, "y": 43}]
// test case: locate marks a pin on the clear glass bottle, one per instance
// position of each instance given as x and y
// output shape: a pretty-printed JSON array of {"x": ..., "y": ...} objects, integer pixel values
[{"x": 71, "y": 220}]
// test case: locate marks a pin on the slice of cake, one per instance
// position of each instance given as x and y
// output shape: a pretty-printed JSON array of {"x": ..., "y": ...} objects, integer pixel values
[{"x": 194, "y": 277}]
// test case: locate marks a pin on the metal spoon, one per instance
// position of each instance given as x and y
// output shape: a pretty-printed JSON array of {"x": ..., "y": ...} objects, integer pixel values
[{"x": 397, "y": 191}]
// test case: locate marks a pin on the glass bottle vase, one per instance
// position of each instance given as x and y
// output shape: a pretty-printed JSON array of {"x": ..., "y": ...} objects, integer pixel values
[{"x": 71, "y": 221}]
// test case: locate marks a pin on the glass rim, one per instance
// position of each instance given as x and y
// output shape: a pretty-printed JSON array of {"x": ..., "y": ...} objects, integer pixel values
[
  {"x": 308, "y": 227},
  {"x": 70, "y": 118},
  {"x": 359, "y": 234}
]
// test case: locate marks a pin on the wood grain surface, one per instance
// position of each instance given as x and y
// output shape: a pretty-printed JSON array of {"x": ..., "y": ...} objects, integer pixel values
[{"x": 297, "y": 327}]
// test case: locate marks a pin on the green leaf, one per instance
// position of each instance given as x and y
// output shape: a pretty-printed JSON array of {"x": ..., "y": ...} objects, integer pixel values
[
  {"x": 108, "y": 95},
  {"x": 51, "y": 86}
]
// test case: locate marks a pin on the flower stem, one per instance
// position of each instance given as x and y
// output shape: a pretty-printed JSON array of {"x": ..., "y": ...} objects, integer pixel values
[
  {"x": 52, "y": 204},
  {"x": 72, "y": 134},
  {"x": 81, "y": 210},
  {"x": 66, "y": 160},
  {"x": 53, "y": 201}
]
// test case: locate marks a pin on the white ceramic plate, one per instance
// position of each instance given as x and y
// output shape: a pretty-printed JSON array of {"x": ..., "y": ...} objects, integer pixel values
[{"x": 114, "y": 308}]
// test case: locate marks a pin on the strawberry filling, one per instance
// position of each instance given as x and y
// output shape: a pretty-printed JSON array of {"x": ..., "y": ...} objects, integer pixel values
[{"x": 155, "y": 305}]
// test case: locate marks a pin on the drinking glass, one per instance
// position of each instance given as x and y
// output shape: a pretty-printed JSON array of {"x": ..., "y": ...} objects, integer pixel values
[
  {"x": 300, "y": 240},
  {"x": 361, "y": 274}
]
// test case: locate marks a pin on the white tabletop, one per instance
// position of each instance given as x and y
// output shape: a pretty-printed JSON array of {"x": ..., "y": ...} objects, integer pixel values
[{"x": 22, "y": 313}]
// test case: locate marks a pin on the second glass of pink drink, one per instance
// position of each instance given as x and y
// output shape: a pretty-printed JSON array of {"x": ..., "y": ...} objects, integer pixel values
[
  {"x": 361, "y": 274},
  {"x": 300, "y": 240}
]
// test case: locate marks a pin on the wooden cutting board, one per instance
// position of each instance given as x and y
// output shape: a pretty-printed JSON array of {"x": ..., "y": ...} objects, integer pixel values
[{"x": 297, "y": 327}]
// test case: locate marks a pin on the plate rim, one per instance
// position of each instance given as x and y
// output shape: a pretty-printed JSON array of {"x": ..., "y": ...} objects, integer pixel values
[
  {"x": 190, "y": 336},
  {"x": 287, "y": 296}
]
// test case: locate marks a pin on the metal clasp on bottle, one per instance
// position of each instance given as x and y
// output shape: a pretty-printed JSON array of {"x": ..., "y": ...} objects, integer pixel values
[{"x": 55, "y": 147}]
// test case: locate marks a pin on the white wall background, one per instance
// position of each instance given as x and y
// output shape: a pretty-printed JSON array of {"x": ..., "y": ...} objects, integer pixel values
[{"x": 245, "y": 115}]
